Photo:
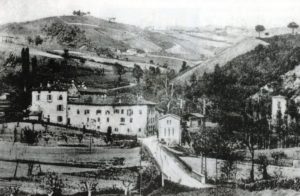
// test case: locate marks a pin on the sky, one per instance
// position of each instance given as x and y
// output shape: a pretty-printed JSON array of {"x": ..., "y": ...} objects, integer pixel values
[{"x": 162, "y": 13}]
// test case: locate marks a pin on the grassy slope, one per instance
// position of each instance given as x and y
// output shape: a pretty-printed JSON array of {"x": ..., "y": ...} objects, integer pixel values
[
  {"x": 222, "y": 58},
  {"x": 182, "y": 44}
]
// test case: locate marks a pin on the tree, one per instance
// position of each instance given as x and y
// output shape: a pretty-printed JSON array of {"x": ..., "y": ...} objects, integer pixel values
[
  {"x": 89, "y": 186},
  {"x": 29, "y": 136},
  {"x": 278, "y": 156},
  {"x": 38, "y": 40},
  {"x": 263, "y": 165},
  {"x": 53, "y": 183},
  {"x": 108, "y": 138},
  {"x": 184, "y": 66},
  {"x": 259, "y": 29},
  {"x": 193, "y": 79},
  {"x": 29, "y": 40},
  {"x": 137, "y": 72},
  {"x": 293, "y": 26},
  {"x": 120, "y": 70}
]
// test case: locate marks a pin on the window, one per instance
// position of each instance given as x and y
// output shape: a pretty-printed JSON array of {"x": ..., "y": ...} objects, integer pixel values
[
  {"x": 131, "y": 120},
  {"x": 87, "y": 119},
  {"x": 49, "y": 97},
  {"x": 60, "y": 108},
  {"x": 38, "y": 97},
  {"x": 141, "y": 112},
  {"x": 170, "y": 121},
  {"x": 140, "y": 130},
  {"x": 98, "y": 112},
  {"x": 98, "y": 127},
  {"x": 116, "y": 129},
  {"x": 122, "y": 120},
  {"x": 128, "y": 130},
  {"x": 78, "y": 111},
  {"x": 122, "y": 111},
  {"x": 98, "y": 119},
  {"x": 59, "y": 118},
  {"x": 129, "y": 112},
  {"x": 86, "y": 111},
  {"x": 107, "y": 120},
  {"x": 60, "y": 97},
  {"x": 116, "y": 111},
  {"x": 107, "y": 112}
]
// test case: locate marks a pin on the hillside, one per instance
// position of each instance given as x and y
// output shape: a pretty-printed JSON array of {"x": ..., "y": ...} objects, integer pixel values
[
  {"x": 221, "y": 58},
  {"x": 86, "y": 33}
]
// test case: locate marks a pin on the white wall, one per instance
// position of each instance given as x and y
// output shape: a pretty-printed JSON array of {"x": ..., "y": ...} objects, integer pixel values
[
  {"x": 276, "y": 101},
  {"x": 138, "y": 126},
  {"x": 49, "y": 107},
  {"x": 170, "y": 130}
]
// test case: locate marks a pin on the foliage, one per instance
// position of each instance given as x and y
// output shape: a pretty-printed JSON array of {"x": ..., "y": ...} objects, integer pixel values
[
  {"x": 277, "y": 156},
  {"x": 29, "y": 136},
  {"x": 293, "y": 26},
  {"x": 69, "y": 35},
  {"x": 120, "y": 70},
  {"x": 259, "y": 29},
  {"x": 38, "y": 40},
  {"x": 137, "y": 72},
  {"x": 53, "y": 183},
  {"x": 263, "y": 162}
]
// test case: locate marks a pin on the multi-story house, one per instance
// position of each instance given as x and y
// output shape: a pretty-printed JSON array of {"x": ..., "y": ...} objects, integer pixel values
[{"x": 123, "y": 114}]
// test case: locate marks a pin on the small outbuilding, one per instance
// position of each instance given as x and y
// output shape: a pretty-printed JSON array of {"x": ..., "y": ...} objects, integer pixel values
[{"x": 169, "y": 129}]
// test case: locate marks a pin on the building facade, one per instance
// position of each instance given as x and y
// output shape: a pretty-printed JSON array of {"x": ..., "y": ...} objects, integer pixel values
[
  {"x": 279, "y": 103},
  {"x": 124, "y": 114},
  {"x": 169, "y": 129}
]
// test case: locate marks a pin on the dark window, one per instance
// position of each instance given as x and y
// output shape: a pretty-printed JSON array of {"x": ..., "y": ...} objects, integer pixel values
[
  {"x": 38, "y": 97},
  {"x": 60, "y": 97},
  {"x": 128, "y": 130},
  {"x": 49, "y": 97},
  {"x": 117, "y": 111},
  {"x": 116, "y": 129},
  {"x": 86, "y": 111},
  {"x": 59, "y": 118},
  {"x": 98, "y": 119},
  {"x": 131, "y": 120},
  {"x": 141, "y": 112},
  {"x": 107, "y": 119},
  {"x": 140, "y": 130},
  {"x": 87, "y": 119},
  {"x": 60, "y": 108},
  {"x": 78, "y": 111},
  {"x": 122, "y": 120},
  {"x": 122, "y": 111},
  {"x": 98, "y": 112},
  {"x": 129, "y": 112},
  {"x": 107, "y": 112}
]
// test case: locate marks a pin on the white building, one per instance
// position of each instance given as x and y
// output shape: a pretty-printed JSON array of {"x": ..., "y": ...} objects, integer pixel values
[
  {"x": 169, "y": 129},
  {"x": 124, "y": 114},
  {"x": 279, "y": 103}
]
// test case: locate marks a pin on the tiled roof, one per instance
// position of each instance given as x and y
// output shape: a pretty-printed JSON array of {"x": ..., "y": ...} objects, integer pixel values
[{"x": 121, "y": 99}]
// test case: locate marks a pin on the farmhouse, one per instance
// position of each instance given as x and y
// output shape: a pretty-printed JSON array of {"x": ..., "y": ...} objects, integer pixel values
[
  {"x": 169, "y": 129},
  {"x": 123, "y": 114}
]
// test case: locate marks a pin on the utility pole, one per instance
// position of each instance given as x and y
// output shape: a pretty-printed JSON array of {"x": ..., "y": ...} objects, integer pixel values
[{"x": 205, "y": 138}]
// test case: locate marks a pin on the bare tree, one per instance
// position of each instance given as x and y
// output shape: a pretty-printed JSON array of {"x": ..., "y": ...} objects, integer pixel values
[{"x": 89, "y": 186}]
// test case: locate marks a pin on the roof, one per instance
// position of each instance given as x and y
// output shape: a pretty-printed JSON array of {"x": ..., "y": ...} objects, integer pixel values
[
  {"x": 92, "y": 90},
  {"x": 121, "y": 99},
  {"x": 279, "y": 96},
  {"x": 197, "y": 115},
  {"x": 170, "y": 115}
]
